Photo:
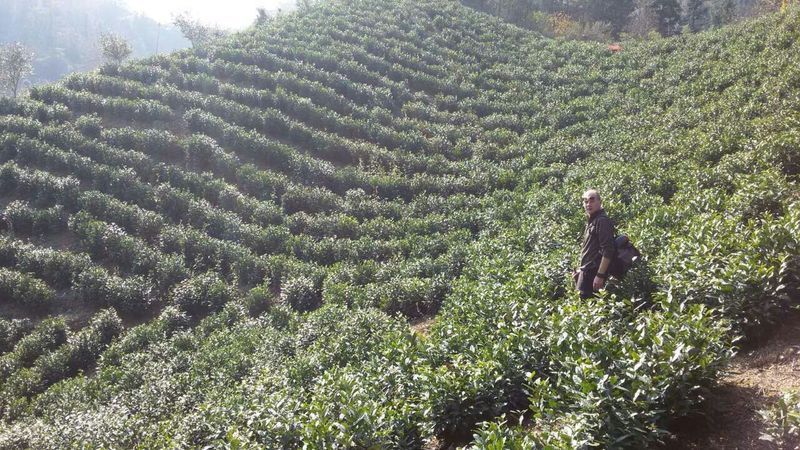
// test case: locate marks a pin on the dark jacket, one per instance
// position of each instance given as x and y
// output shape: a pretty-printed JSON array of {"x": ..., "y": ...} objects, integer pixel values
[{"x": 598, "y": 240}]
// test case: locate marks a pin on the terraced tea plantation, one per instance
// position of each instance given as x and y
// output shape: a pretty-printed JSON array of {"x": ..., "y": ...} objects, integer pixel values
[{"x": 235, "y": 246}]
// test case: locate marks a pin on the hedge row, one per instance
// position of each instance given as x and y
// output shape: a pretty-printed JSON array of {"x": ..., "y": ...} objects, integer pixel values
[
  {"x": 24, "y": 290},
  {"x": 58, "y": 356}
]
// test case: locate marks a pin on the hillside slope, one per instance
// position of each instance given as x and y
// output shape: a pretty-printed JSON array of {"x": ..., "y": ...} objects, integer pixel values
[{"x": 224, "y": 247}]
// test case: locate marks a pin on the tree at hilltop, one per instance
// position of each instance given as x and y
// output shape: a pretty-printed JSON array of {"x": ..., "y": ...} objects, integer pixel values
[
  {"x": 668, "y": 15},
  {"x": 198, "y": 34},
  {"x": 642, "y": 19},
  {"x": 696, "y": 15},
  {"x": 722, "y": 12},
  {"x": 115, "y": 48},
  {"x": 15, "y": 64},
  {"x": 613, "y": 12},
  {"x": 262, "y": 16}
]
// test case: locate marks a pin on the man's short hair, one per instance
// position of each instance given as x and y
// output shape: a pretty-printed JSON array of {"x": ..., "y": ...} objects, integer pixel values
[{"x": 589, "y": 192}]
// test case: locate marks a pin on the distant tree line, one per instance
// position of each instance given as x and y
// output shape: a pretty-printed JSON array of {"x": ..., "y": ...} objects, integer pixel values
[
  {"x": 612, "y": 19},
  {"x": 28, "y": 58},
  {"x": 65, "y": 36}
]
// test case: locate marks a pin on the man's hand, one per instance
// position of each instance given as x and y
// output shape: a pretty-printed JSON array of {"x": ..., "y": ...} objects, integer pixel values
[{"x": 600, "y": 281}]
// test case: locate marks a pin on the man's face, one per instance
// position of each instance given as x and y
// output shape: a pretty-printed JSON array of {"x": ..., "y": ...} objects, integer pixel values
[{"x": 591, "y": 202}]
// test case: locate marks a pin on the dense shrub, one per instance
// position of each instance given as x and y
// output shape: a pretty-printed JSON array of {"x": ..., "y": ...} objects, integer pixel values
[
  {"x": 132, "y": 219},
  {"x": 138, "y": 338},
  {"x": 43, "y": 188},
  {"x": 201, "y": 294},
  {"x": 258, "y": 300},
  {"x": 92, "y": 339},
  {"x": 90, "y": 125},
  {"x": 11, "y": 331},
  {"x": 300, "y": 293},
  {"x": 48, "y": 334},
  {"x": 744, "y": 269},
  {"x": 22, "y": 218},
  {"x": 82, "y": 350},
  {"x": 311, "y": 200},
  {"x": 782, "y": 420},
  {"x": 24, "y": 289},
  {"x": 404, "y": 295},
  {"x": 131, "y": 295}
]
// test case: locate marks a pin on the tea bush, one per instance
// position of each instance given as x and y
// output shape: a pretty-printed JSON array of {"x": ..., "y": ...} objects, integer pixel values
[
  {"x": 20, "y": 217},
  {"x": 300, "y": 293},
  {"x": 782, "y": 420},
  {"x": 24, "y": 289},
  {"x": 11, "y": 331},
  {"x": 201, "y": 294}
]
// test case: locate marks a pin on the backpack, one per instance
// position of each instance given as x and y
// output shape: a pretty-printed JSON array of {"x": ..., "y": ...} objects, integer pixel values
[{"x": 625, "y": 257}]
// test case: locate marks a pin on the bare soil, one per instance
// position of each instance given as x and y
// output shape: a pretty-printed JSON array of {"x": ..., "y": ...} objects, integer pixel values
[
  {"x": 422, "y": 325},
  {"x": 761, "y": 372}
]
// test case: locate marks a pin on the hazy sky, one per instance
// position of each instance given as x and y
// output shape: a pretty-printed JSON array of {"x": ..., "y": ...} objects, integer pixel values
[{"x": 230, "y": 14}]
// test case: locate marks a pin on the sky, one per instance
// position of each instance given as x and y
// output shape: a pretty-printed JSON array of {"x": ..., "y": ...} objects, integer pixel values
[{"x": 228, "y": 14}]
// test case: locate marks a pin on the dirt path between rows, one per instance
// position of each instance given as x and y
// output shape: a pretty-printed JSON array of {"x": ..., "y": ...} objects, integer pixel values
[{"x": 758, "y": 375}]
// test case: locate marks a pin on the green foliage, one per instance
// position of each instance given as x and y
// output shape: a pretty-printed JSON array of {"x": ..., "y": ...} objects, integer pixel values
[
  {"x": 198, "y": 34},
  {"x": 90, "y": 125},
  {"x": 46, "y": 335},
  {"x": 300, "y": 293},
  {"x": 744, "y": 268},
  {"x": 21, "y": 217},
  {"x": 782, "y": 420},
  {"x": 114, "y": 47},
  {"x": 83, "y": 349},
  {"x": 268, "y": 212},
  {"x": 11, "y": 331},
  {"x": 58, "y": 269},
  {"x": 130, "y": 295},
  {"x": 15, "y": 65},
  {"x": 258, "y": 300},
  {"x": 201, "y": 294},
  {"x": 24, "y": 289}
]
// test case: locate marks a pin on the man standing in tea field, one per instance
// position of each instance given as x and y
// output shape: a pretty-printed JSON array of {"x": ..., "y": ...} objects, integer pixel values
[{"x": 598, "y": 246}]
